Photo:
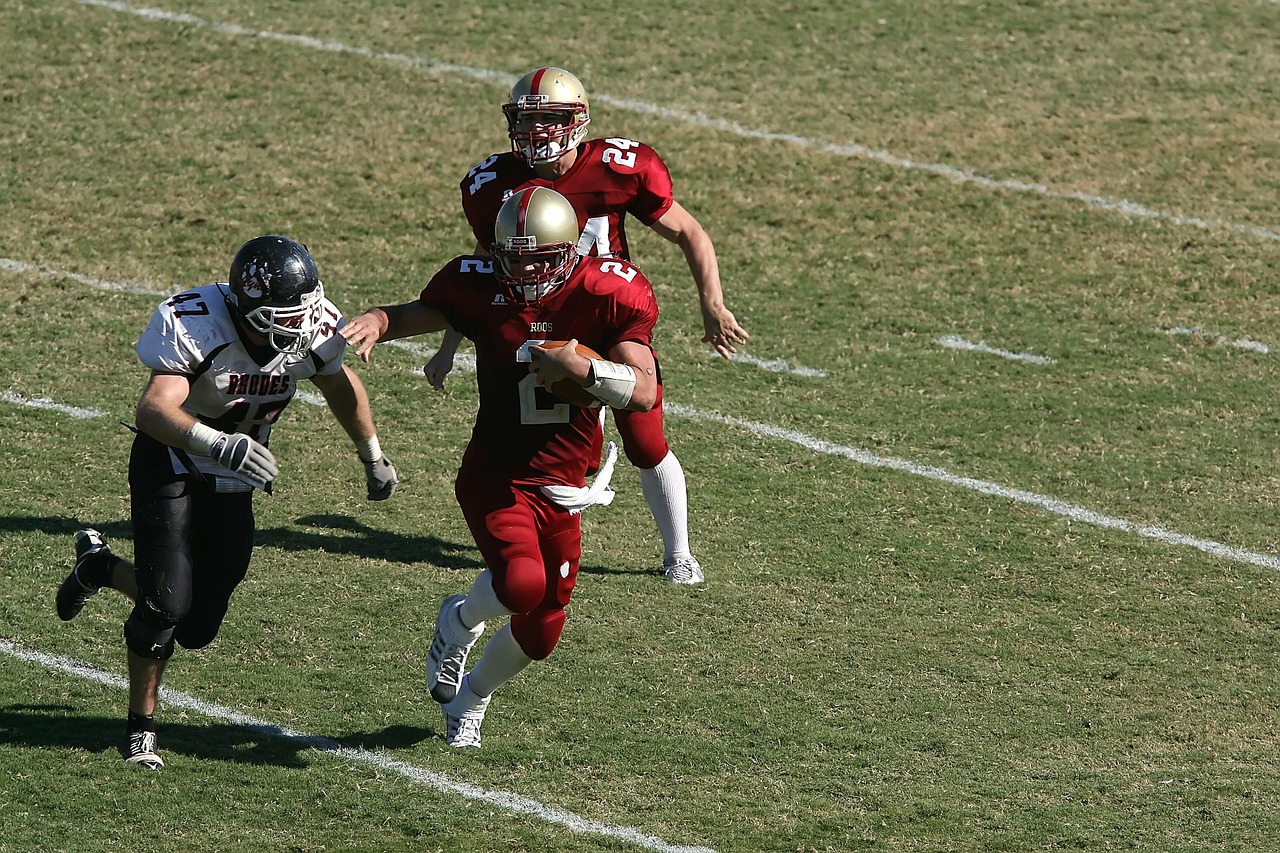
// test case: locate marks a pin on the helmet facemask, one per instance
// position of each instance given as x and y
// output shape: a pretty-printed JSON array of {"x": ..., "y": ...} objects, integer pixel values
[
  {"x": 529, "y": 285},
  {"x": 290, "y": 330},
  {"x": 543, "y": 132}
]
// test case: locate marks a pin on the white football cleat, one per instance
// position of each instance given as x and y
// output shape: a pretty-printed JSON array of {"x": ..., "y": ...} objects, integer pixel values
[
  {"x": 447, "y": 660},
  {"x": 684, "y": 570},
  {"x": 463, "y": 716}
]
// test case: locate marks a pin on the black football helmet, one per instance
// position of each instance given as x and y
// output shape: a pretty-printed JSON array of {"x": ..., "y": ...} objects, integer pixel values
[{"x": 276, "y": 289}]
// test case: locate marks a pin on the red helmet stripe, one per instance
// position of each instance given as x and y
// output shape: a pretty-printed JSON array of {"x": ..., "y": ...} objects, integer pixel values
[
  {"x": 535, "y": 85},
  {"x": 521, "y": 229}
]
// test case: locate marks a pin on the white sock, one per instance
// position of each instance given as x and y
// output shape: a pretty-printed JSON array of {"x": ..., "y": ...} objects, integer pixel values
[
  {"x": 664, "y": 489},
  {"x": 481, "y": 604},
  {"x": 503, "y": 660},
  {"x": 457, "y": 631}
]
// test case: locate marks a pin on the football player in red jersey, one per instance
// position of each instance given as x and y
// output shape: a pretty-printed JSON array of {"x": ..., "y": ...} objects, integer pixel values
[
  {"x": 604, "y": 179},
  {"x": 225, "y": 361},
  {"x": 522, "y": 481}
]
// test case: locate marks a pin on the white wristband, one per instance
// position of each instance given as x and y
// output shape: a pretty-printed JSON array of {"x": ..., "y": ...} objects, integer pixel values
[
  {"x": 369, "y": 449},
  {"x": 200, "y": 438},
  {"x": 614, "y": 383}
]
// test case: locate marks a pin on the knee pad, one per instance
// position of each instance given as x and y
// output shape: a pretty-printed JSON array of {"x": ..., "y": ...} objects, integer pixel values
[
  {"x": 146, "y": 640},
  {"x": 523, "y": 585},
  {"x": 198, "y": 634},
  {"x": 538, "y": 632},
  {"x": 642, "y": 436}
]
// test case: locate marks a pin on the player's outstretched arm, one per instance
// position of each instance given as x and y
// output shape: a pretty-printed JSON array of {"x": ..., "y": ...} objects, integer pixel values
[
  {"x": 720, "y": 327},
  {"x": 389, "y": 323},
  {"x": 349, "y": 402}
]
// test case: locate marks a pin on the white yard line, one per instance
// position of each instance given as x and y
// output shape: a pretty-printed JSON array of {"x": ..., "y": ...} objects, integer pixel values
[
  {"x": 49, "y": 405},
  {"x": 956, "y": 342},
  {"x": 861, "y": 152},
  {"x": 776, "y": 365},
  {"x": 1053, "y": 505},
  {"x": 505, "y": 800},
  {"x": 21, "y": 266},
  {"x": 1219, "y": 339}
]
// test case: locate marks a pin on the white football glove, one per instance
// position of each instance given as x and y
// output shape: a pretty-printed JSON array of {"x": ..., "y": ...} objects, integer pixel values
[
  {"x": 380, "y": 476},
  {"x": 240, "y": 453}
]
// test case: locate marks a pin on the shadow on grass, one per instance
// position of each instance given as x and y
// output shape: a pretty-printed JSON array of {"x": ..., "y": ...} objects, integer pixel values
[
  {"x": 329, "y": 533},
  {"x": 59, "y": 727}
]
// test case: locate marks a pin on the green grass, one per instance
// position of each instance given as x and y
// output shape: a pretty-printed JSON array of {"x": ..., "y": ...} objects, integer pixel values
[{"x": 881, "y": 659}]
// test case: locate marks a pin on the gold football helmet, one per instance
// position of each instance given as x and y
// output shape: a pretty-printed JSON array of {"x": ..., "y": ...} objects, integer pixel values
[
  {"x": 536, "y": 243},
  {"x": 547, "y": 115}
]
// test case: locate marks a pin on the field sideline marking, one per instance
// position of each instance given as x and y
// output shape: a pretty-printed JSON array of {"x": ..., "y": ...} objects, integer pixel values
[
  {"x": 505, "y": 800},
  {"x": 862, "y": 152}
]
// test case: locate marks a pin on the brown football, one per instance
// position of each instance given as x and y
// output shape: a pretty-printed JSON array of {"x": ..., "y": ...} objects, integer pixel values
[{"x": 568, "y": 390}]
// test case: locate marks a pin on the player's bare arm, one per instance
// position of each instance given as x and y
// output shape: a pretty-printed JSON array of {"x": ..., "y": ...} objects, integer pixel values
[
  {"x": 160, "y": 413},
  {"x": 720, "y": 327},
  {"x": 349, "y": 401},
  {"x": 630, "y": 371},
  {"x": 389, "y": 323}
]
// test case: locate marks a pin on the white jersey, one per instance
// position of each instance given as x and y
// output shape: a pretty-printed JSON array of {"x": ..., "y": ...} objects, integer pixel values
[{"x": 234, "y": 387}]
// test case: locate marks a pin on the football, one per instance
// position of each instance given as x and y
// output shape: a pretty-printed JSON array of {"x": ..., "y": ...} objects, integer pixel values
[{"x": 568, "y": 390}]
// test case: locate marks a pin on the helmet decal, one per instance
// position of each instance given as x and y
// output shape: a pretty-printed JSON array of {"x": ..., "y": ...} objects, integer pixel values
[
  {"x": 275, "y": 289},
  {"x": 251, "y": 281}
]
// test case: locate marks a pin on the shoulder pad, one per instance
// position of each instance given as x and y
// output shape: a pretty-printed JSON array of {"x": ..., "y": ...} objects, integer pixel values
[{"x": 605, "y": 276}]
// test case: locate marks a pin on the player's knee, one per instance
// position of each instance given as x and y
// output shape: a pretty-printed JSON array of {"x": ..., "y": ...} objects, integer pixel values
[
  {"x": 524, "y": 585},
  {"x": 646, "y": 456},
  {"x": 539, "y": 632},
  {"x": 149, "y": 634}
]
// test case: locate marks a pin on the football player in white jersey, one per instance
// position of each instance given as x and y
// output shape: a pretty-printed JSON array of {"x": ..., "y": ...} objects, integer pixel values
[{"x": 225, "y": 361}]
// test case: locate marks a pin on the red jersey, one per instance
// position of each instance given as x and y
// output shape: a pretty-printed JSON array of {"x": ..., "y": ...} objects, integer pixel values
[
  {"x": 609, "y": 179},
  {"x": 521, "y": 430}
]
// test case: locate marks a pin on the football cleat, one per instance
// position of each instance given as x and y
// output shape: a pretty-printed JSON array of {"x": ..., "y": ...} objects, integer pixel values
[
  {"x": 447, "y": 660},
  {"x": 74, "y": 591},
  {"x": 684, "y": 570},
  {"x": 140, "y": 748},
  {"x": 462, "y": 718}
]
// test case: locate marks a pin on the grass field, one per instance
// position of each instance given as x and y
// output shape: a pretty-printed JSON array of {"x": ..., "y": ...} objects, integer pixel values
[{"x": 987, "y": 508}]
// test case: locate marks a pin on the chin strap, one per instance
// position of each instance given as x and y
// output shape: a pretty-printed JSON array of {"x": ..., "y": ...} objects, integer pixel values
[{"x": 577, "y": 498}]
